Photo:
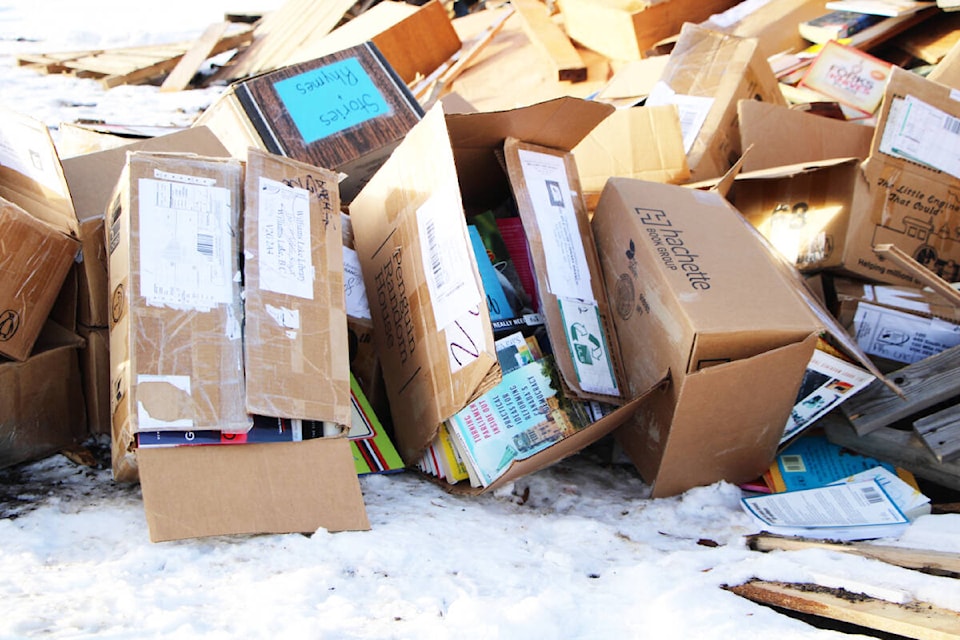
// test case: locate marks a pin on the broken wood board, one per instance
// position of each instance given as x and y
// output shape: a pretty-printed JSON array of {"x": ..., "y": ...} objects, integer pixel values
[
  {"x": 920, "y": 620},
  {"x": 940, "y": 431},
  {"x": 900, "y": 448},
  {"x": 280, "y": 34},
  {"x": 551, "y": 39},
  {"x": 180, "y": 76},
  {"x": 128, "y": 65},
  {"x": 940, "y": 563},
  {"x": 924, "y": 384},
  {"x": 932, "y": 42}
]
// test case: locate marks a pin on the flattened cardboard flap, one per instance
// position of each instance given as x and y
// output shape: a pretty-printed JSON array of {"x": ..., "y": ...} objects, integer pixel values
[
  {"x": 281, "y": 487},
  {"x": 30, "y": 172}
]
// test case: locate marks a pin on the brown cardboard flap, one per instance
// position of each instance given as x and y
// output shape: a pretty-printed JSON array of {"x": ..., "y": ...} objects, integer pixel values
[
  {"x": 729, "y": 419},
  {"x": 477, "y": 137},
  {"x": 535, "y": 204},
  {"x": 288, "y": 487},
  {"x": 417, "y": 355},
  {"x": 92, "y": 177},
  {"x": 783, "y": 136},
  {"x": 30, "y": 172},
  {"x": 296, "y": 348}
]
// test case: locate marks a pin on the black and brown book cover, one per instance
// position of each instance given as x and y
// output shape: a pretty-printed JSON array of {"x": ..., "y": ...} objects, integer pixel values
[{"x": 333, "y": 110}]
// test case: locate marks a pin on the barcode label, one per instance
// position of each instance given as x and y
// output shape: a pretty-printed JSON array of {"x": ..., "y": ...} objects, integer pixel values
[
  {"x": 433, "y": 250},
  {"x": 793, "y": 464},
  {"x": 205, "y": 244},
  {"x": 952, "y": 125},
  {"x": 872, "y": 495}
]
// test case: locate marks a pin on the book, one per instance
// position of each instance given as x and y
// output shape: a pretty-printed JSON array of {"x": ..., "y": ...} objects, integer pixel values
[
  {"x": 835, "y": 25},
  {"x": 888, "y": 8},
  {"x": 523, "y": 415},
  {"x": 849, "y": 76}
]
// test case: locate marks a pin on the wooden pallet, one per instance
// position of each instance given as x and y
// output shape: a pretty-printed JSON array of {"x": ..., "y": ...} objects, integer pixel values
[{"x": 130, "y": 65}]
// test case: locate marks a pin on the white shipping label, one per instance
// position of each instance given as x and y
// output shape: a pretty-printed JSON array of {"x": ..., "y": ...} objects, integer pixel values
[
  {"x": 920, "y": 132},
  {"x": 588, "y": 347},
  {"x": 546, "y": 178},
  {"x": 166, "y": 406},
  {"x": 902, "y": 337},
  {"x": 357, "y": 304},
  {"x": 186, "y": 245},
  {"x": 445, "y": 253},
  {"x": 692, "y": 110},
  {"x": 286, "y": 264}
]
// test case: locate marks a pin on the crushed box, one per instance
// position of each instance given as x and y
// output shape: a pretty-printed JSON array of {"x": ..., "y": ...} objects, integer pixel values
[
  {"x": 699, "y": 298},
  {"x": 345, "y": 111},
  {"x": 707, "y": 74}
]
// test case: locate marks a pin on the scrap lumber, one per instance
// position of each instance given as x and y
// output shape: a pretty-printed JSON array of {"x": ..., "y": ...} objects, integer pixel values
[
  {"x": 900, "y": 448},
  {"x": 927, "y": 277},
  {"x": 128, "y": 65},
  {"x": 940, "y": 431},
  {"x": 920, "y": 620},
  {"x": 939, "y": 563},
  {"x": 924, "y": 383},
  {"x": 280, "y": 34},
  {"x": 180, "y": 76},
  {"x": 550, "y": 38},
  {"x": 430, "y": 89}
]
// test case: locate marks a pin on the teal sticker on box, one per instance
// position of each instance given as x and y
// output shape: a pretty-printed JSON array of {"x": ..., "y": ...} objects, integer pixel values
[{"x": 328, "y": 100}]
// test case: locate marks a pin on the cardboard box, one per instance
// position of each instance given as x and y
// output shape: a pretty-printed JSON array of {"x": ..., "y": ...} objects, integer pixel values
[
  {"x": 176, "y": 354},
  {"x": 700, "y": 299},
  {"x": 773, "y": 23},
  {"x": 39, "y": 229},
  {"x": 804, "y": 210},
  {"x": 295, "y": 323},
  {"x": 914, "y": 184},
  {"x": 194, "y": 375},
  {"x": 628, "y": 29},
  {"x": 639, "y": 142},
  {"x": 773, "y": 135},
  {"x": 707, "y": 74},
  {"x": 41, "y": 406},
  {"x": 345, "y": 112},
  {"x": 450, "y": 163}
]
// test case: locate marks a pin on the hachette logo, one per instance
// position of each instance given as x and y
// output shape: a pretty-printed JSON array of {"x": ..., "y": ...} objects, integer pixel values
[{"x": 672, "y": 248}]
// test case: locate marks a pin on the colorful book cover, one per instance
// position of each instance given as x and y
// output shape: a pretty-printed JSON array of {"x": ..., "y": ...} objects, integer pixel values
[
  {"x": 523, "y": 415},
  {"x": 373, "y": 451}
]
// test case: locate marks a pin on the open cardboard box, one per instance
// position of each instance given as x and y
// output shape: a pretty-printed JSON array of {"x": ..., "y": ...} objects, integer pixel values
[
  {"x": 176, "y": 352},
  {"x": 751, "y": 323}
]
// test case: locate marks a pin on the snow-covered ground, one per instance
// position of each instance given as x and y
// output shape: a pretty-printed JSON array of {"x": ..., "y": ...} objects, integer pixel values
[{"x": 578, "y": 550}]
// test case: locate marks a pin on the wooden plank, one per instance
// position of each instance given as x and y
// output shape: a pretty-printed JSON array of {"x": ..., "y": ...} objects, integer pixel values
[
  {"x": 920, "y": 620},
  {"x": 179, "y": 78},
  {"x": 924, "y": 384},
  {"x": 905, "y": 261},
  {"x": 281, "y": 33},
  {"x": 939, "y": 563},
  {"x": 899, "y": 448},
  {"x": 551, "y": 39},
  {"x": 940, "y": 431}
]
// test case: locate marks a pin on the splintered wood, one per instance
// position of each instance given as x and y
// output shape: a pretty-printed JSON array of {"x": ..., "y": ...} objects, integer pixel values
[{"x": 130, "y": 65}]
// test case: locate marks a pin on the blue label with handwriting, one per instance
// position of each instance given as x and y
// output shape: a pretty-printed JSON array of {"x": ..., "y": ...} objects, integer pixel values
[{"x": 330, "y": 99}]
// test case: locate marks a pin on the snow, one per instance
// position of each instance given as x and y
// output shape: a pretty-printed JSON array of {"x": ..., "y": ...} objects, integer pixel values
[{"x": 578, "y": 550}]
